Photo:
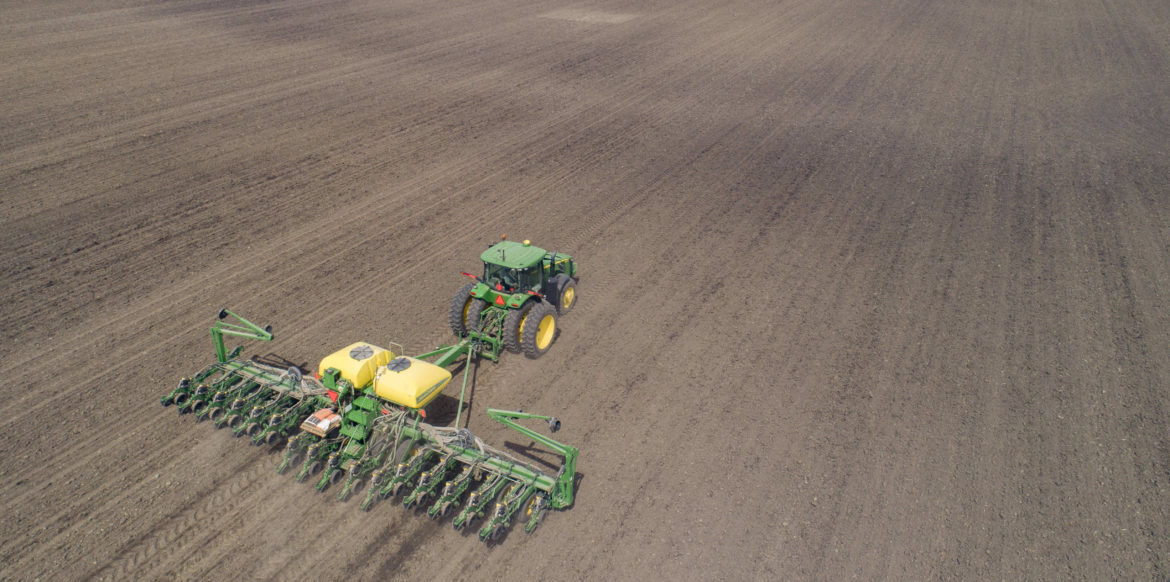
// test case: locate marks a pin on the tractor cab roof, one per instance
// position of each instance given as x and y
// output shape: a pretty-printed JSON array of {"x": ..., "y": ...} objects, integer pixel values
[{"x": 513, "y": 255}]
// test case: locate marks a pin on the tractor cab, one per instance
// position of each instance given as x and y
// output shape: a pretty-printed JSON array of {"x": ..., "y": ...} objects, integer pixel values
[{"x": 513, "y": 266}]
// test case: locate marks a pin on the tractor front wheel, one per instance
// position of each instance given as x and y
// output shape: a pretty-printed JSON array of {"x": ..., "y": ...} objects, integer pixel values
[{"x": 566, "y": 295}]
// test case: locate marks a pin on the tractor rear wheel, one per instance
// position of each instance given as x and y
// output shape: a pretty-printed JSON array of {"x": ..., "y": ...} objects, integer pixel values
[
  {"x": 465, "y": 309},
  {"x": 474, "y": 311},
  {"x": 513, "y": 321},
  {"x": 537, "y": 330}
]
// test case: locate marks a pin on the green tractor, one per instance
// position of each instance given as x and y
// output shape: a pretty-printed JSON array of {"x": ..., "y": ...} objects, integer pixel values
[{"x": 531, "y": 285}]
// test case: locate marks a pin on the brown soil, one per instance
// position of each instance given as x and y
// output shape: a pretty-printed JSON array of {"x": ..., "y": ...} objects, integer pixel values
[{"x": 872, "y": 290}]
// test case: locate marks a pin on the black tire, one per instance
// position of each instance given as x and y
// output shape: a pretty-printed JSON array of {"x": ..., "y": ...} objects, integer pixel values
[
  {"x": 215, "y": 414},
  {"x": 403, "y": 451},
  {"x": 293, "y": 461},
  {"x": 566, "y": 297},
  {"x": 474, "y": 312},
  {"x": 460, "y": 305},
  {"x": 537, "y": 330},
  {"x": 512, "y": 323}
]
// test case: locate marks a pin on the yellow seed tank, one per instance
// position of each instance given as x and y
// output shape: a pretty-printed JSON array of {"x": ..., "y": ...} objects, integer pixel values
[
  {"x": 357, "y": 363},
  {"x": 410, "y": 382}
]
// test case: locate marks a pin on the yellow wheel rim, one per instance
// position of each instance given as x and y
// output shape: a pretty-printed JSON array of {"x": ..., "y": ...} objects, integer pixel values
[
  {"x": 568, "y": 298},
  {"x": 544, "y": 333},
  {"x": 466, "y": 309}
]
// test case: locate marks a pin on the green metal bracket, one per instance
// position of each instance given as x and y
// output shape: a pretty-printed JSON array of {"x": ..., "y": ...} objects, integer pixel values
[{"x": 244, "y": 329}]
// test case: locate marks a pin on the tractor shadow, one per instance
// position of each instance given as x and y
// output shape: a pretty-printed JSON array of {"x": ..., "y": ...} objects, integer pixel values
[
  {"x": 271, "y": 359},
  {"x": 445, "y": 407}
]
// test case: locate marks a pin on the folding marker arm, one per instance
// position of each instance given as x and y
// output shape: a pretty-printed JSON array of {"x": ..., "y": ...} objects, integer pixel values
[
  {"x": 562, "y": 493},
  {"x": 244, "y": 329}
]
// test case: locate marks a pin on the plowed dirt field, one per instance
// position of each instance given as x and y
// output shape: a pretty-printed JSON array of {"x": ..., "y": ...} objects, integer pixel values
[{"x": 870, "y": 290}]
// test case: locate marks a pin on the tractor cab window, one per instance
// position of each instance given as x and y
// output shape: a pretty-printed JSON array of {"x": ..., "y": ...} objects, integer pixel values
[
  {"x": 530, "y": 277},
  {"x": 492, "y": 274},
  {"x": 512, "y": 278},
  {"x": 509, "y": 278}
]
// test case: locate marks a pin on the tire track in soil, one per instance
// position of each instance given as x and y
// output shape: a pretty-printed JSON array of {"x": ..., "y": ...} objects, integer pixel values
[
  {"x": 201, "y": 525},
  {"x": 107, "y": 503},
  {"x": 78, "y": 504},
  {"x": 160, "y": 537}
]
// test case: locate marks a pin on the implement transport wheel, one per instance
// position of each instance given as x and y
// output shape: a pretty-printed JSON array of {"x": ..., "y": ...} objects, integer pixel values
[
  {"x": 461, "y": 312},
  {"x": 537, "y": 330},
  {"x": 402, "y": 452},
  {"x": 566, "y": 294}
]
